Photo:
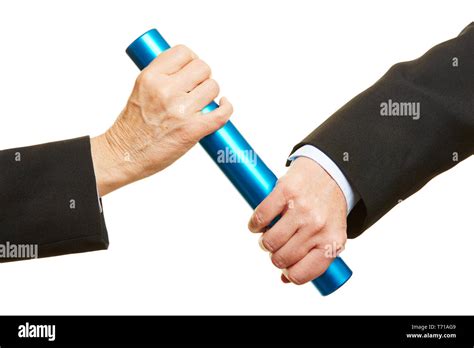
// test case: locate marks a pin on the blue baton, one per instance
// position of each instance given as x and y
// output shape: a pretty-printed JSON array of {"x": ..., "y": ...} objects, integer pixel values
[{"x": 249, "y": 174}]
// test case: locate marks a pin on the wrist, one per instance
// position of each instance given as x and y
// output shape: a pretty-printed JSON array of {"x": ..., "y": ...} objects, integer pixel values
[
  {"x": 112, "y": 169},
  {"x": 315, "y": 170}
]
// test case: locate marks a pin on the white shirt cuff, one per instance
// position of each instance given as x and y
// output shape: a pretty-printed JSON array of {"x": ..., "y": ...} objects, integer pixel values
[{"x": 333, "y": 170}]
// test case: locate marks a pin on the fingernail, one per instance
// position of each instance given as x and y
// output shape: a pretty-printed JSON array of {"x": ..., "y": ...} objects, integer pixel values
[
  {"x": 285, "y": 273},
  {"x": 260, "y": 242},
  {"x": 277, "y": 263},
  {"x": 251, "y": 224}
]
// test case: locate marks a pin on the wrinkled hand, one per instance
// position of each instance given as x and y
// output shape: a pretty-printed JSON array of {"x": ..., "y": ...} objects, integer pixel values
[
  {"x": 312, "y": 229},
  {"x": 161, "y": 121}
]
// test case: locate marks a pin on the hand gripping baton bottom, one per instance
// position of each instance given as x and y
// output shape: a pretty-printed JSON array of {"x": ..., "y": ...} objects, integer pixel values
[{"x": 252, "y": 178}]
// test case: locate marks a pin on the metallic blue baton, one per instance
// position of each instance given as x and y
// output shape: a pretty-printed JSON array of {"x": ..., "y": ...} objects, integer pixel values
[{"x": 249, "y": 174}]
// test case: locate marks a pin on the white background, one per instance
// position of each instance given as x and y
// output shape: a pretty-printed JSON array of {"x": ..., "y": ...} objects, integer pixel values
[{"x": 179, "y": 242}]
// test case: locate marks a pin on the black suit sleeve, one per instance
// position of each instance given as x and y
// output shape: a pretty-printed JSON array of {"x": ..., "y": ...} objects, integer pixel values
[
  {"x": 388, "y": 158},
  {"x": 48, "y": 198}
]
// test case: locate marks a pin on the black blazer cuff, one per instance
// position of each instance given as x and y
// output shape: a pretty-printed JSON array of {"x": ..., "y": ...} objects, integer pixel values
[{"x": 48, "y": 198}]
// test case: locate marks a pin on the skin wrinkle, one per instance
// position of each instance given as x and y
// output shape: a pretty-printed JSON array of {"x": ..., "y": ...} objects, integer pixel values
[
  {"x": 314, "y": 216},
  {"x": 160, "y": 122}
]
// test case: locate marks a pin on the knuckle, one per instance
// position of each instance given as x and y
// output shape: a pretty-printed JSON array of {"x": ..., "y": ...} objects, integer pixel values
[
  {"x": 316, "y": 219},
  {"x": 282, "y": 181},
  {"x": 182, "y": 50},
  {"x": 304, "y": 207},
  {"x": 178, "y": 107},
  {"x": 203, "y": 66},
  {"x": 221, "y": 121},
  {"x": 285, "y": 188},
  {"x": 213, "y": 86},
  {"x": 164, "y": 93},
  {"x": 146, "y": 79}
]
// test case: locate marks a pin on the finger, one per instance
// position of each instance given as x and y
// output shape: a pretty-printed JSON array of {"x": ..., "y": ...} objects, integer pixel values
[
  {"x": 210, "y": 122},
  {"x": 191, "y": 75},
  {"x": 203, "y": 94},
  {"x": 298, "y": 246},
  {"x": 281, "y": 232},
  {"x": 306, "y": 239},
  {"x": 172, "y": 60},
  {"x": 262, "y": 246},
  {"x": 284, "y": 279},
  {"x": 266, "y": 211},
  {"x": 310, "y": 267}
]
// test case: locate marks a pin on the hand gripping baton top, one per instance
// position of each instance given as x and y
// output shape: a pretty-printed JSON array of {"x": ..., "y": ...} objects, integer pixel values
[{"x": 249, "y": 174}]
